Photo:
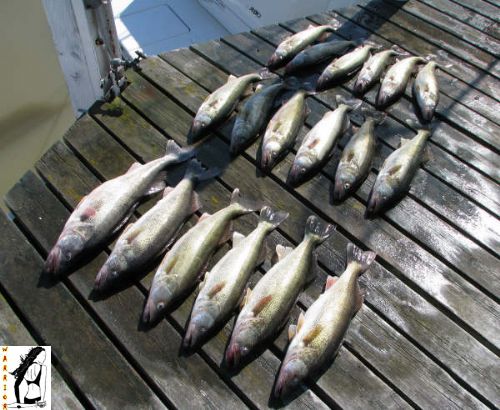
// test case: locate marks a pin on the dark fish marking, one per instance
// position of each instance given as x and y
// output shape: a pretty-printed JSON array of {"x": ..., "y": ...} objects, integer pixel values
[
  {"x": 394, "y": 169},
  {"x": 313, "y": 143},
  {"x": 312, "y": 334},
  {"x": 216, "y": 289},
  {"x": 350, "y": 156},
  {"x": 330, "y": 281},
  {"x": 87, "y": 214},
  {"x": 262, "y": 304}
]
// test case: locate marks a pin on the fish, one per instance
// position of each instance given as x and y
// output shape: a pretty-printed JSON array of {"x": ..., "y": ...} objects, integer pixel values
[
  {"x": 220, "y": 104},
  {"x": 153, "y": 232},
  {"x": 343, "y": 66},
  {"x": 268, "y": 305},
  {"x": 186, "y": 261},
  {"x": 319, "y": 333},
  {"x": 318, "y": 144},
  {"x": 224, "y": 285},
  {"x": 294, "y": 44},
  {"x": 396, "y": 174},
  {"x": 106, "y": 209},
  {"x": 252, "y": 117},
  {"x": 355, "y": 161},
  {"x": 395, "y": 80},
  {"x": 317, "y": 54},
  {"x": 372, "y": 70},
  {"x": 426, "y": 90},
  {"x": 282, "y": 130}
]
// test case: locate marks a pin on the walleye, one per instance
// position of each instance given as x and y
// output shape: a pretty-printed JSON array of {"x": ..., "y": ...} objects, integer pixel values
[
  {"x": 394, "y": 178},
  {"x": 395, "y": 80},
  {"x": 106, "y": 209},
  {"x": 426, "y": 90},
  {"x": 252, "y": 117},
  {"x": 218, "y": 105},
  {"x": 294, "y": 44},
  {"x": 185, "y": 262},
  {"x": 267, "y": 306},
  {"x": 149, "y": 237},
  {"x": 319, "y": 333},
  {"x": 372, "y": 70},
  {"x": 355, "y": 161},
  {"x": 317, "y": 54},
  {"x": 283, "y": 129},
  {"x": 224, "y": 284},
  {"x": 318, "y": 144},
  {"x": 342, "y": 67}
]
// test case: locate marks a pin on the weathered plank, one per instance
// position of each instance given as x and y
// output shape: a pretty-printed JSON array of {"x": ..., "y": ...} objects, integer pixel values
[
  {"x": 216, "y": 154},
  {"x": 481, "y": 7},
  {"x": 77, "y": 351},
  {"x": 473, "y": 19},
  {"x": 449, "y": 24},
  {"x": 13, "y": 333}
]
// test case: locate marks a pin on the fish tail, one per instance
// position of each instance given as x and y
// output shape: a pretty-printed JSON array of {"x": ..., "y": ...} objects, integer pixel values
[
  {"x": 363, "y": 258},
  {"x": 182, "y": 154},
  {"x": 246, "y": 205},
  {"x": 272, "y": 217},
  {"x": 377, "y": 116},
  {"x": 352, "y": 103},
  {"x": 318, "y": 230},
  {"x": 196, "y": 172},
  {"x": 265, "y": 74}
]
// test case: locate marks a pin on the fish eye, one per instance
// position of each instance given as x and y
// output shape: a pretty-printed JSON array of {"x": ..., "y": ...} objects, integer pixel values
[
  {"x": 67, "y": 255},
  {"x": 347, "y": 185},
  {"x": 302, "y": 170},
  {"x": 384, "y": 197}
]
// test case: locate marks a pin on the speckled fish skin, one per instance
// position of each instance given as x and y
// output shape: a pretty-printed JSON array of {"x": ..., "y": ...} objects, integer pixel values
[
  {"x": 149, "y": 236},
  {"x": 318, "y": 144},
  {"x": 252, "y": 117},
  {"x": 395, "y": 80},
  {"x": 317, "y": 54},
  {"x": 283, "y": 129},
  {"x": 426, "y": 90},
  {"x": 343, "y": 66},
  {"x": 396, "y": 174},
  {"x": 355, "y": 161},
  {"x": 107, "y": 207},
  {"x": 372, "y": 70},
  {"x": 218, "y": 105},
  {"x": 321, "y": 330},
  {"x": 184, "y": 262},
  {"x": 269, "y": 303},
  {"x": 224, "y": 284},
  {"x": 294, "y": 44}
]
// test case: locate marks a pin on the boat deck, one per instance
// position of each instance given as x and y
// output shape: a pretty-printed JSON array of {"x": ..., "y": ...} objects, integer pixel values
[{"x": 428, "y": 334}]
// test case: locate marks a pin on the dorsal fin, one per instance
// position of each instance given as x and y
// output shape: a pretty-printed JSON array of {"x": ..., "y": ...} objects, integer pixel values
[
  {"x": 134, "y": 166},
  {"x": 158, "y": 184},
  {"x": 330, "y": 281},
  {"x": 167, "y": 191},
  {"x": 195, "y": 202},
  {"x": 313, "y": 333},
  {"x": 282, "y": 251},
  {"x": 231, "y": 77},
  {"x": 403, "y": 141},
  {"x": 261, "y": 304},
  {"x": 237, "y": 238},
  {"x": 394, "y": 169},
  {"x": 292, "y": 331},
  {"x": 300, "y": 321},
  {"x": 203, "y": 217},
  {"x": 245, "y": 298}
]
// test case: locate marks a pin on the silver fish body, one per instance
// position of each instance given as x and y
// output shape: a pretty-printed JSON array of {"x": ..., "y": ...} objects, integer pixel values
[
  {"x": 290, "y": 47},
  {"x": 185, "y": 261},
  {"x": 218, "y": 105},
  {"x": 343, "y": 66},
  {"x": 282, "y": 130},
  {"x": 395, "y": 80},
  {"x": 317, "y": 54},
  {"x": 104, "y": 210},
  {"x": 355, "y": 161},
  {"x": 318, "y": 144},
  {"x": 396, "y": 174},
  {"x": 269, "y": 303},
  {"x": 319, "y": 333},
  {"x": 372, "y": 70},
  {"x": 253, "y": 116},
  {"x": 223, "y": 286},
  {"x": 149, "y": 236},
  {"x": 426, "y": 90}
]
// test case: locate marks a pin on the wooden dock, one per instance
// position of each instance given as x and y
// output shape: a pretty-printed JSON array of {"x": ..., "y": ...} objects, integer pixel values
[{"x": 428, "y": 335}]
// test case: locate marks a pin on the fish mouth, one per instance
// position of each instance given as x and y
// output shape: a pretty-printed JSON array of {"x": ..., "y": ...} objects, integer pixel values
[
  {"x": 296, "y": 176},
  {"x": 339, "y": 192},
  {"x": 322, "y": 83},
  {"x": 153, "y": 311},
  {"x": 196, "y": 131},
  {"x": 234, "y": 354},
  {"x": 104, "y": 279},
  {"x": 275, "y": 61},
  {"x": 427, "y": 113},
  {"x": 360, "y": 86},
  {"x": 53, "y": 262},
  {"x": 372, "y": 207},
  {"x": 268, "y": 160},
  {"x": 290, "y": 376}
]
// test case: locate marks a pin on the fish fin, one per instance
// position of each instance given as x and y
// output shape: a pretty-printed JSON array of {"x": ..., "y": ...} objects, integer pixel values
[
  {"x": 263, "y": 254},
  {"x": 259, "y": 88},
  {"x": 403, "y": 142},
  {"x": 319, "y": 230},
  {"x": 394, "y": 169},
  {"x": 216, "y": 289},
  {"x": 227, "y": 235},
  {"x": 300, "y": 321},
  {"x": 265, "y": 74},
  {"x": 363, "y": 258},
  {"x": 428, "y": 156},
  {"x": 292, "y": 331},
  {"x": 231, "y": 77},
  {"x": 237, "y": 238},
  {"x": 261, "y": 304},
  {"x": 159, "y": 184},
  {"x": 352, "y": 103},
  {"x": 360, "y": 298},
  {"x": 204, "y": 216},
  {"x": 196, "y": 172},
  {"x": 182, "y": 154},
  {"x": 307, "y": 110},
  {"x": 134, "y": 166},
  {"x": 282, "y": 251},
  {"x": 313, "y": 269},
  {"x": 125, "y": 219},
  {"x": 195, "y": 202},
  {"x": 167, "y": 191},
  {"x": 272, "y": 217},
  {"x": 330, "y": 281},
  {"x": 314, "y": 332},
  {"x": 248, "y": 205},
  {"x": 246, "y": 297},
  {"x": 203, "y": 270},
  {"x": 87, "y": 213}
]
